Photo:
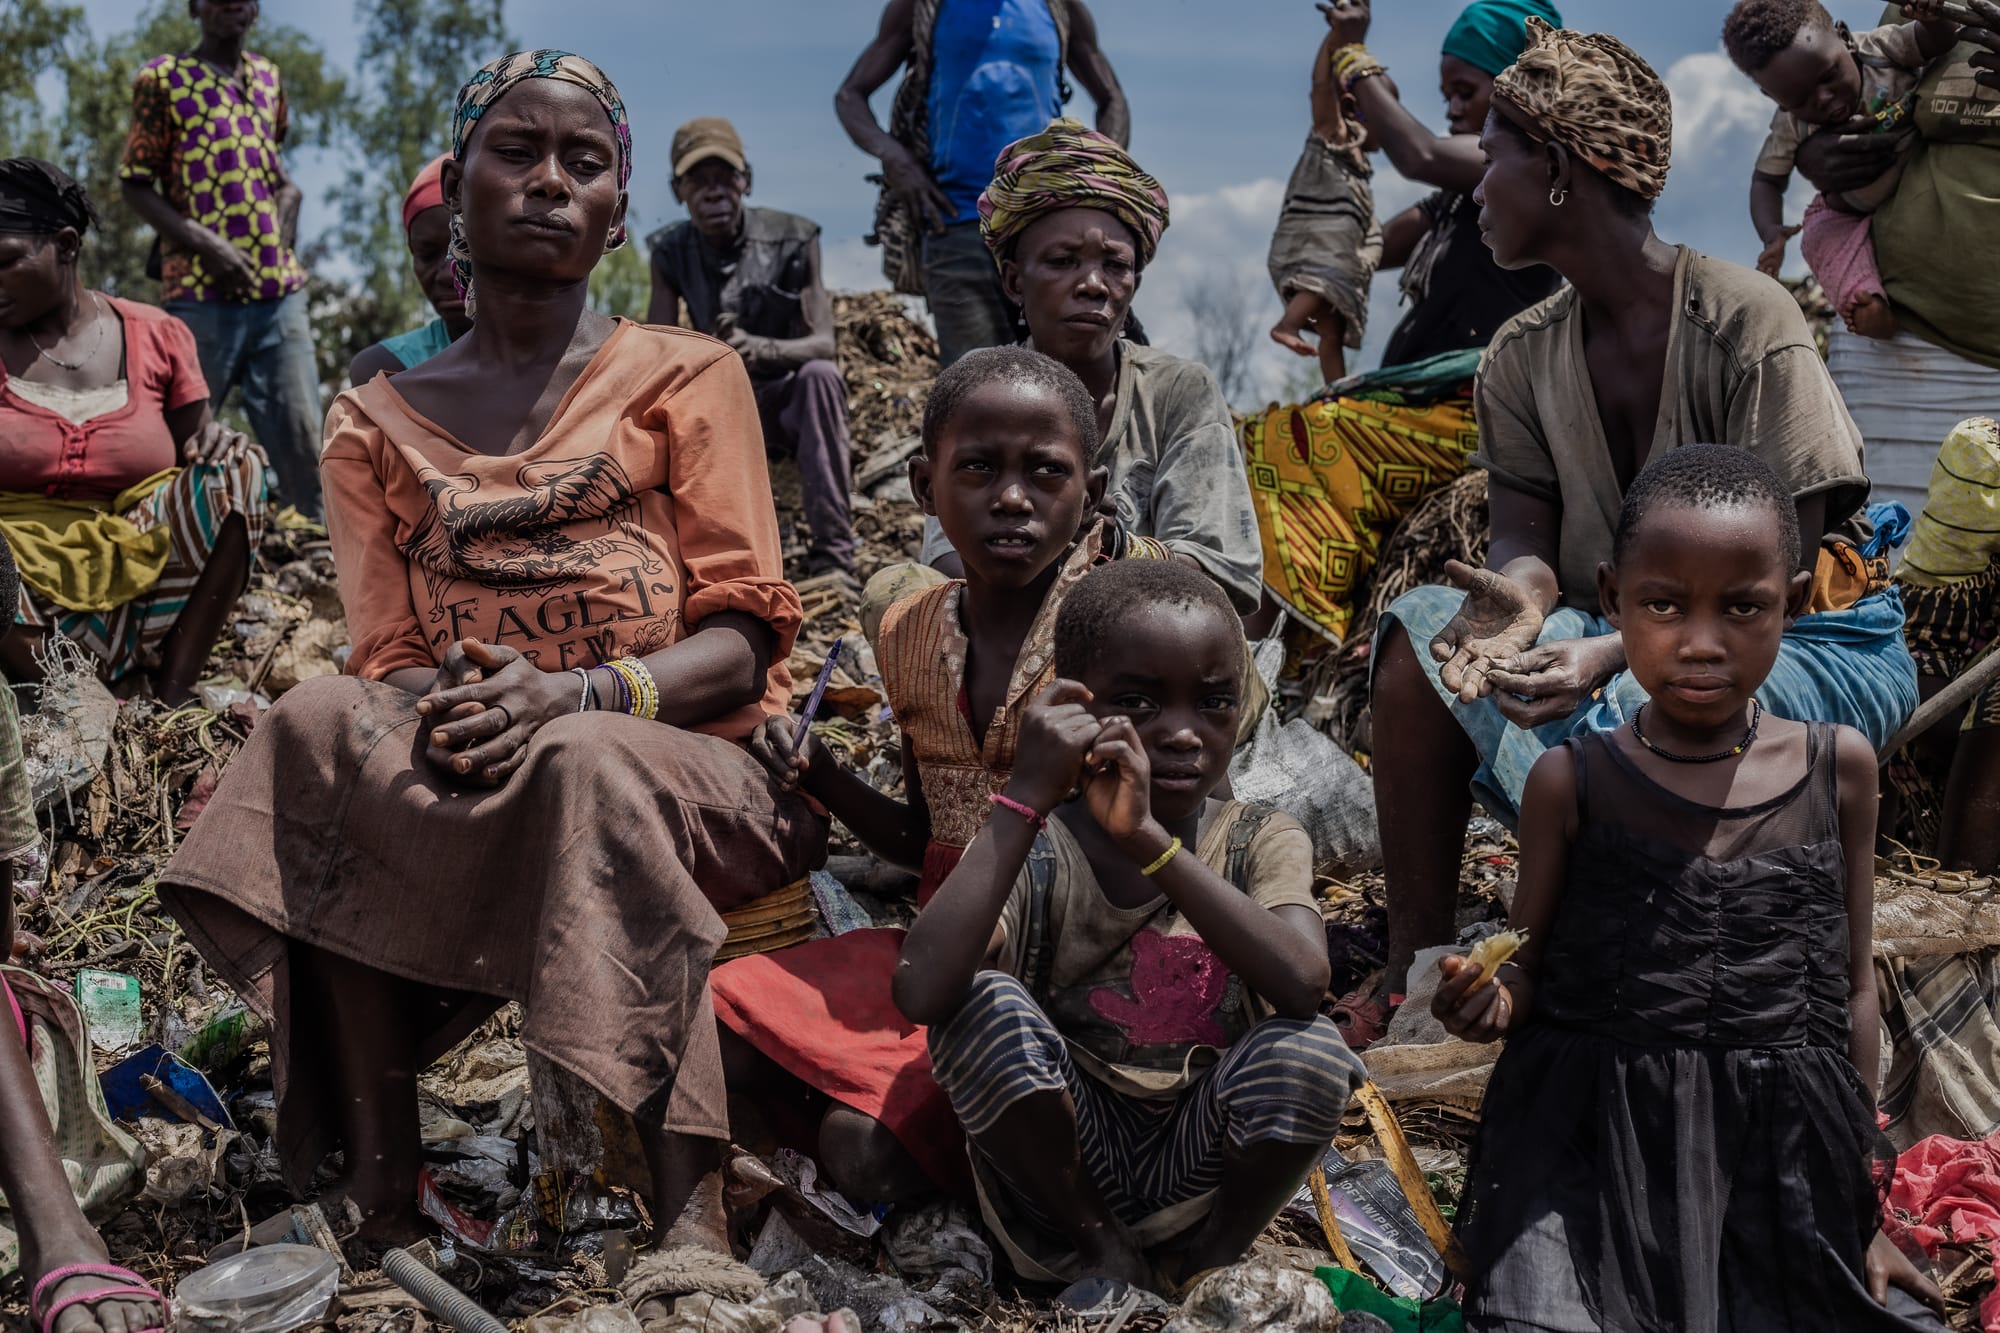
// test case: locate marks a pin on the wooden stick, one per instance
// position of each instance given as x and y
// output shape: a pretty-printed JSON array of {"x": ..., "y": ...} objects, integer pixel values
[
  {"x": 1389, "y": 1133},
  {"x": 1328, "y": 1223},
  {"x": 1961, "y": 688}
]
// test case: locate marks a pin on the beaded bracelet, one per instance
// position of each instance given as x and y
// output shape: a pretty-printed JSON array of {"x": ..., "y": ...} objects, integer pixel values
[
  {"x": 645, "y": 693},
  {"x": 1351, "y": 64},
  {"x": 583, "y": 695},
  {"x": 1025, "y": 811},
  {"x": 1173, "y": 850}
]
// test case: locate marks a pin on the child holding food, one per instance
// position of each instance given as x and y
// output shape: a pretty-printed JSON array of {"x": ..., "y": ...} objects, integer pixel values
[{"x": 1681, "y": 1132}]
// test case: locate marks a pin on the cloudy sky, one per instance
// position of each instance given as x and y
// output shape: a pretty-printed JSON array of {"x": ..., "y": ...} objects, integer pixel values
[{"x": 1218, "y": 94}]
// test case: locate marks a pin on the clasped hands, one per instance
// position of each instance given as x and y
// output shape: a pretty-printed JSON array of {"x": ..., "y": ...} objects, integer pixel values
[
  {"x": 487, "y": 704},
  {"x": 1488, "y": 649}
]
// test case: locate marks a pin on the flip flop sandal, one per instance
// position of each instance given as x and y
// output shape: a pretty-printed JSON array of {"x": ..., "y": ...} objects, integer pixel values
[
  {"x": 45, "y": 1319},
  {"x": 14, "y": 1008},
  {"x": 1362, "y": 1016}
]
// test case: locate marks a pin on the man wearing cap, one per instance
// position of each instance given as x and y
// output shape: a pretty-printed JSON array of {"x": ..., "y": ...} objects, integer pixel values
[
  {"x": 977, "y": 76},
  {"x": 751, "y": 277}
]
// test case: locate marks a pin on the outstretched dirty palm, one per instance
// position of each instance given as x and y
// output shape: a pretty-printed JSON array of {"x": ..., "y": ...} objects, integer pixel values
[{"x": 1497, "y": 621}]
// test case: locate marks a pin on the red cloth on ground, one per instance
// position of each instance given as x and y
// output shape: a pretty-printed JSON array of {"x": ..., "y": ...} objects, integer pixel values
[
  {"x": 1947, "y": 1191},
  {"x": 824, "y": 1012}
]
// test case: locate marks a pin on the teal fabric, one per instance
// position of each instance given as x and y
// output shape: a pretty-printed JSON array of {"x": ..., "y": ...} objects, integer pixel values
[
  {"x": 1849, "y": 667},
  {"x": 1490, "y": 34},
  {"x": 419, "y": 345}
]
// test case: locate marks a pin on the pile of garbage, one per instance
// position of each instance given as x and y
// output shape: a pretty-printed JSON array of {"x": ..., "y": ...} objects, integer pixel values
[{"x": 523, "y": 1230}]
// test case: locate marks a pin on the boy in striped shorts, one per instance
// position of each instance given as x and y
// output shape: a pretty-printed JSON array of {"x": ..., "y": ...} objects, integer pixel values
[{"x": 1123, "y": 988}]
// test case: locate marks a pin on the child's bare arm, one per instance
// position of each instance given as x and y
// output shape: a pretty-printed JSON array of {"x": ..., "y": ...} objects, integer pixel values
[
  {"x": 1548, "y": 828},
  {"x": 1767, "y": 214},
  {"x": 956, "y": 933},
  {"x": 1936, "y": 33},
  {"x": 894, "y": 831},
  {"x": 1859, "y": 794},
  {"x": 1326, "y": 92}
]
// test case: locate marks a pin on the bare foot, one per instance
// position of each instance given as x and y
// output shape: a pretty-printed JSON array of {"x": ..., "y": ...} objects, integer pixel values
[
  {"x": 121, "y": 1314},
  {"x": 1287, "y": 335},
  {"x": 1870, "y": 317}
]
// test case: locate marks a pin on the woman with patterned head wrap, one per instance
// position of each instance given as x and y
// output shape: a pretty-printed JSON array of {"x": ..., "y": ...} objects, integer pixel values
[
  {"x": 427, "y": 228},
  {"x": 1651, "y": 347},
  {"x": 1073, "y": 221},
  {"x": 131, "y": 514},
  {"x": 561, "y": 570}
]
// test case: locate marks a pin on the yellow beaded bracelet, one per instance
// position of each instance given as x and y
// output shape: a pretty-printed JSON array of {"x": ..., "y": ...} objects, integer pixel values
[
  {"x": 639, "y": 684},
  {"x": 1173, "y": 850}
]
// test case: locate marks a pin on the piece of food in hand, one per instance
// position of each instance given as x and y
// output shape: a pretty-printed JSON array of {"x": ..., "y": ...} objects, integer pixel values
[{"x": 1489, "y": 953}]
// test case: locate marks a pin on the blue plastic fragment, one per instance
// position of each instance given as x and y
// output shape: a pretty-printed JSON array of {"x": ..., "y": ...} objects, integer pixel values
[{"x": 129, "y": 1101}]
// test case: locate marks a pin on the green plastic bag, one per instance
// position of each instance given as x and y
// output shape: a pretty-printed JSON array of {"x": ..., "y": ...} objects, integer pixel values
[{"x": 1404, "y": 1314}]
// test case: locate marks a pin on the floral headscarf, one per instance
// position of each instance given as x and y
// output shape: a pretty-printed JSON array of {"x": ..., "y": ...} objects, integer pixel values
[
  {"x": 492, "y": 83},
  {"x": 1068, "y": 166}
]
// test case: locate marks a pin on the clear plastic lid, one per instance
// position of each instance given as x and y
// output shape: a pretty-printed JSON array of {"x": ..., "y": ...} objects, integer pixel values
[{"x": 265, "y": 1290}]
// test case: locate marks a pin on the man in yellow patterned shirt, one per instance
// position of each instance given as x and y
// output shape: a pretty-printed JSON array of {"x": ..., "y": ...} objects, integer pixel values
[{"x": 202, "y": 166}]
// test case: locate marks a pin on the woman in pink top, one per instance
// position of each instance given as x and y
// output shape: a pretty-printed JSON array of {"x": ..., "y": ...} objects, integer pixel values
[{"x": 130, "y": 512}]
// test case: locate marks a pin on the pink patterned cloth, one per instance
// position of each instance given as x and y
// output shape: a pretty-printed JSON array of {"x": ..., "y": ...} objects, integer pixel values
[{"x": 1840, "y": 249}]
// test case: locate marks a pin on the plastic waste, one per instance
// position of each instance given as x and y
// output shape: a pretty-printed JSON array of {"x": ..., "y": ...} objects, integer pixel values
[
  {"x": 222, "y": 1040},
  {"x": 1403, "y": 1314},
  {"x": 1380, "y": 1225},
  {"x": 110, "y": 1004},
  {"x": 266, "y": 1290}
]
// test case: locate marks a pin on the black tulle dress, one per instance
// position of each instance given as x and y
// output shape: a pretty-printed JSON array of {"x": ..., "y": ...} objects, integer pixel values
[{"x": 1677, "y": 1140}]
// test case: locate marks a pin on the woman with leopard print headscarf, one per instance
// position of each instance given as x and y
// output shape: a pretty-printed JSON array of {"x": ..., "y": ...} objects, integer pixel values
[{"x": 1651, "y": 346}]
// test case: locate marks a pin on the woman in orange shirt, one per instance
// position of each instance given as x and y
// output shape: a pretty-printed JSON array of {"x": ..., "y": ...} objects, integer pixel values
[{"x": 561, "y": 569}]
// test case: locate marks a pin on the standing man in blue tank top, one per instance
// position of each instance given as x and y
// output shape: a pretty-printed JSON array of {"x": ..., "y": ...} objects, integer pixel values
[{"x": 981, "y": 74}]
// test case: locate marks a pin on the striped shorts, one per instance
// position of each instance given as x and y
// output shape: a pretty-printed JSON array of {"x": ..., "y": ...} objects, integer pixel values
[
  {"x": 193, "y": 506},
  {"x": 1284, "y": 1081}
]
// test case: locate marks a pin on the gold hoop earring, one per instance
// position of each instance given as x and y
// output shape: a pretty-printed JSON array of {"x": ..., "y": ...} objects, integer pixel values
[{"x": 1557, "y": 197}]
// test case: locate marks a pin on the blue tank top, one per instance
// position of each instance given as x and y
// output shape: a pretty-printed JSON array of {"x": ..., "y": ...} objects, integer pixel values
[{"x": 995, "y": 67}]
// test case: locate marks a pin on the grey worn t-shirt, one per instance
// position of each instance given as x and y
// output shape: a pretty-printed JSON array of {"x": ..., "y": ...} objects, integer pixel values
[
  {"x": 1741, "y": 370},
  {"x": 1176, "y": 471}
]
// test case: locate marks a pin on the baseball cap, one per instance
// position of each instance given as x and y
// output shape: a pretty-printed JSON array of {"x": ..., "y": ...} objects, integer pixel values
[{"x": 703, "y": 138}]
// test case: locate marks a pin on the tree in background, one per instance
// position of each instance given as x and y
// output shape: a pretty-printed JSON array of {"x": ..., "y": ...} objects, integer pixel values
[
  {"x": 622, "y": 282},
  {"x": 83, "y": 129},
  {"x": 414, "y": 56},
  {"x": 1226, "y": 332}
]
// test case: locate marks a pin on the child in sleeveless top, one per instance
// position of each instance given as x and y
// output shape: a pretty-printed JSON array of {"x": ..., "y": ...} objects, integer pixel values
[
  {"x": 1681, "y": 1133},
  {"x": 1123, "y": 990},
  {"x": 811, "y": 1030}
]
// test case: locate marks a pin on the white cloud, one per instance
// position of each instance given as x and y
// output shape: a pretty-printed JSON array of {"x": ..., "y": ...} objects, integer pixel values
[{"x": 1717, "y": 111}]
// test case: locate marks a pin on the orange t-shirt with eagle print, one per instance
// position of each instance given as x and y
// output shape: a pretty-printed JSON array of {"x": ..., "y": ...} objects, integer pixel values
[{"x": 644, "y": 507}]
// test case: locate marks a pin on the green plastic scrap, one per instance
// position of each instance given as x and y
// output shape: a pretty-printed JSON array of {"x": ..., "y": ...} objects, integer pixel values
[{"x": 1404, "y": 1314}]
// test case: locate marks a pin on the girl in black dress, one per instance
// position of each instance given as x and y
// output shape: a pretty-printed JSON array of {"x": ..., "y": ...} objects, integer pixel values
[{"x": 1681, "y": 1132}]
